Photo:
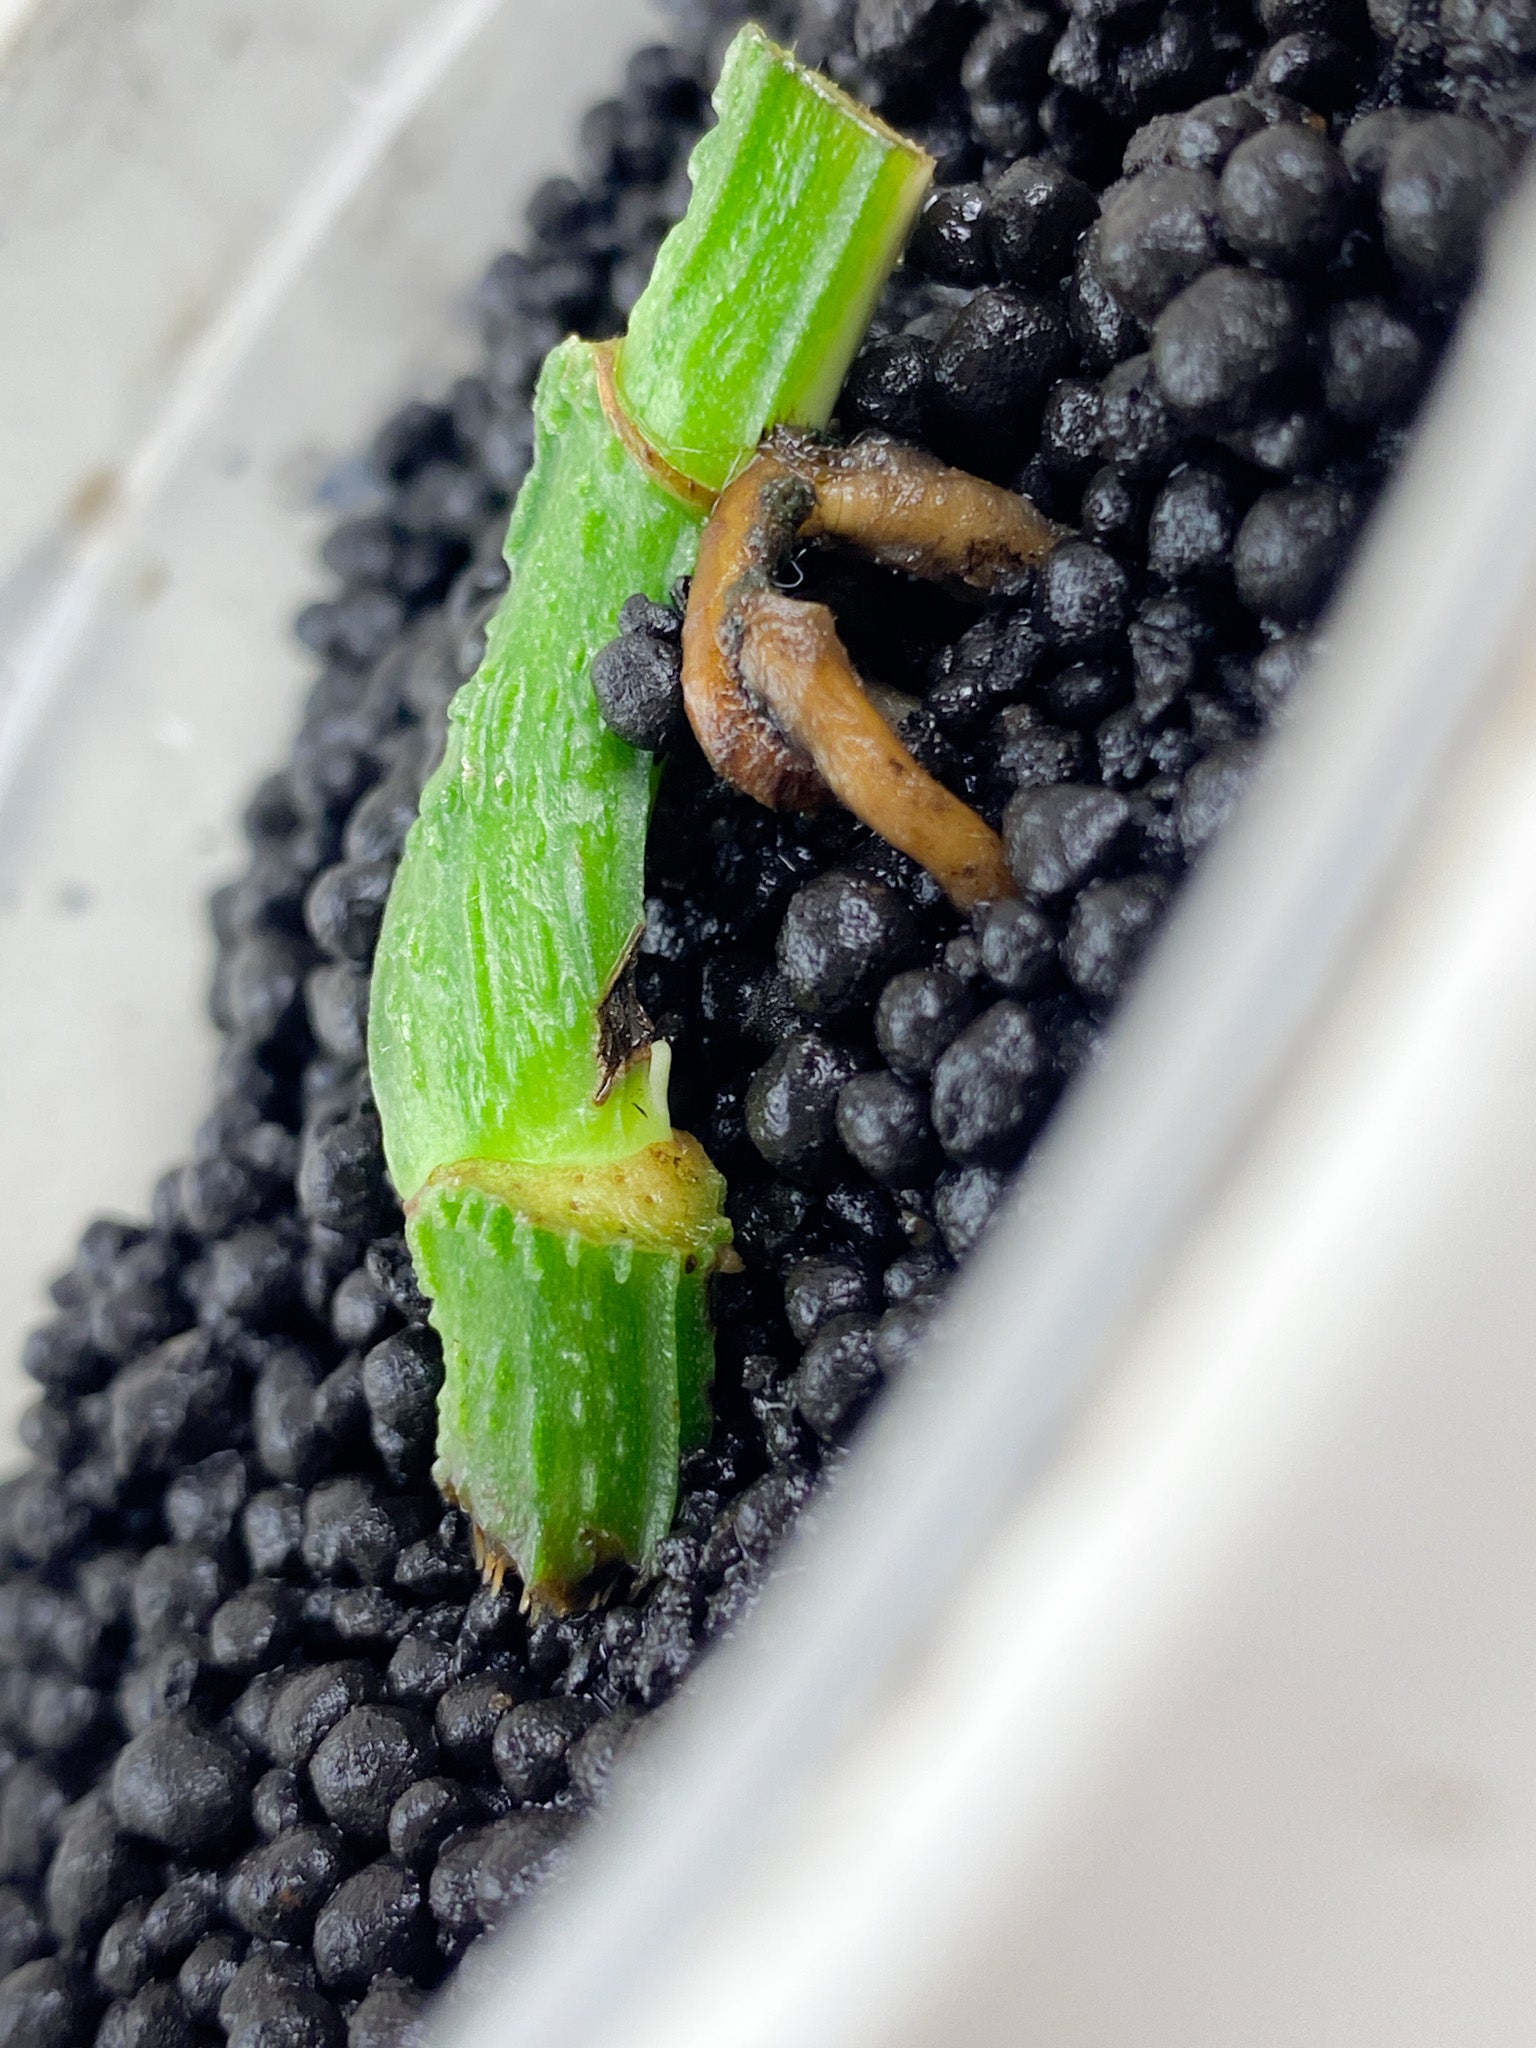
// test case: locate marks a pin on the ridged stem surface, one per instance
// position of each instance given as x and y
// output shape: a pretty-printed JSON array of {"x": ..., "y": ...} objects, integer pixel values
[{"x": 577, "y": 1355}]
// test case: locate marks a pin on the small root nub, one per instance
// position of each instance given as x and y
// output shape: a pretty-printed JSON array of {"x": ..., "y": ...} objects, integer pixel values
[{"x": 493, "y": 1561}]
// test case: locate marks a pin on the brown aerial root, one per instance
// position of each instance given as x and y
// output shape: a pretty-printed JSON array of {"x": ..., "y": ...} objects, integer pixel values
[
  {"x": 769, "y": 688},
  {"x": 793, "y": 660},
  {"x": 909, "y": 511}
]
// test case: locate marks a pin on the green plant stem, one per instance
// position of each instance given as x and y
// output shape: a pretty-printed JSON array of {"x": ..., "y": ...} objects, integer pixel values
[{"x": 575, "y": 1338}]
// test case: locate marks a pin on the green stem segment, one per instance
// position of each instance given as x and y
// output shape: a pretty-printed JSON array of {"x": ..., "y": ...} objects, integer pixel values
[
  {"x": 802, "y": 202},
  {"x": 564, "y": 1234}
]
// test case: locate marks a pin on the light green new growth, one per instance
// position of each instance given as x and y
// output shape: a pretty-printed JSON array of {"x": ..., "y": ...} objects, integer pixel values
[
  {"x": 564, "y": 1234},
  {"x": 761, "y": 295}
]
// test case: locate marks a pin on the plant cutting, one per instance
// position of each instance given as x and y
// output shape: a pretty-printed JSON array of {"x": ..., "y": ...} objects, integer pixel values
[{"x": 564, "y": 1231}]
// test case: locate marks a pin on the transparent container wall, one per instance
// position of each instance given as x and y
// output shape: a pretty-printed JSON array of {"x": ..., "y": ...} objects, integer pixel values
[
  {"x": 1159, "y": 1668},
  {"x": 233, "y": 233}
]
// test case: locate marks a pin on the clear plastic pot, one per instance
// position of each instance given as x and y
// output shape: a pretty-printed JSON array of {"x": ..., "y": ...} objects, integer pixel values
[{"x": 1161, "y": 1669}]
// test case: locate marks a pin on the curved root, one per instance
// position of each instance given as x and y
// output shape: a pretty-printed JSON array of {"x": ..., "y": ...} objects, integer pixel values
[{"x": 769, "y": 689}]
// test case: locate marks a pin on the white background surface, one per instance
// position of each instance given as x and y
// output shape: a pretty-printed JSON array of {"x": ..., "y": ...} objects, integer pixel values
[{"x": 232, "y": 234}]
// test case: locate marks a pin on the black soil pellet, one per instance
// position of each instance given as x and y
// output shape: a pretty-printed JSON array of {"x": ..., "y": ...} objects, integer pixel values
[
  {"x": 271, "y": 1758},
  {"x": 638, "y": 681},
  {"x": 393, "y": 2015},
  {"x": 370, "y": 1758},
  {"x": 1439, "y": 184},
  {"x": 884, "y": 1124},
  {"x": 427, "y": 1813},
  {"x": 275, "y": 1891},
  {"x": 918, "y": 1013},
  {"x": 207, "y": 1974},
  {"x": 376, "y": 1922},
  {"x": 837, "y": 1375},
  {"x": 1286, "y": 198},
  {"x": 1160, "y": 232},
  {"x": 182, "y": 1786},
  {"x": 1036, "y": 212},
  {"x": 46, "y": 2004},
  {"x": 1220, "y": 349}
]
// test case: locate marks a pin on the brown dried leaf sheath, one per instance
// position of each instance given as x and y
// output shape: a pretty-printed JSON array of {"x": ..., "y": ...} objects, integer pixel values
[{"x": 769, "y": 688}]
